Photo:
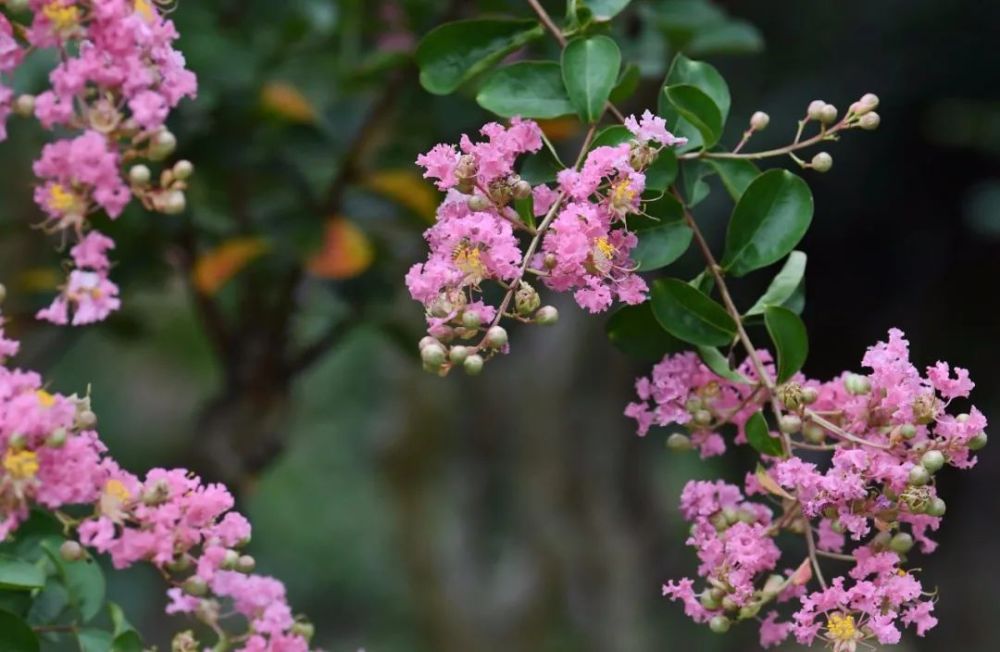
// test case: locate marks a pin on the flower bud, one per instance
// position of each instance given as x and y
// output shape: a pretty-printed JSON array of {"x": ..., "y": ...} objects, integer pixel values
[
  {"x": 547, "y": 315},
  {"x": 458, "y": 354},
  {"x": 162, "y": 145},
  {"x": 496, "y": 337},
  {"x": 478, "y": 203},
  {"x": 183, "y": 170},
  {"x": 919, "y": 476},
  {"x": 679, "y": 442},
  {"x": 433, "y": 355},
  {"x": 139, "y": 174},
  {"x": 246, "y": 564},
  {"x": 822, "y": 162},
  {"x": 24, "y": 105},
  {"x": 57, "y": 439},
  {"x": 473, "y": 364},
  {"x": 719, "y": 624},
  {"x": 522, "y": 189},
  {"x": 902, "y": 542},
  {"x": 870, "y": 121},
  {"x": 471, "y": 319},
  {"x": 907, "y": 431},
  {"x": 759, "y": 121},
  {"x": 978, "y": 442},
  {"x": 828, "y": 115},
  {"x": 71, "y": 551},
  {"x": 174, "y": 202},
  {"x": 815, "y": 110},
  {"x": 857, "y": 384},
  {"x": 526, "y": 299},
  {"x": 195, "y": 586},
  {"x": 789, "y": 424},
  {"x": 932, "y": 461}
]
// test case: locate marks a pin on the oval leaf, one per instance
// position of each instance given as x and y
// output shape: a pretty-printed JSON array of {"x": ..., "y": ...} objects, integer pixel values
[
  {"x": 635, "y": 331},
  {"x": 16, "y": 635},
  {"x": 689, "y": 314},
  {"x": 530, "y": 89},
  {"x": 784, "y": 284},
  {"x": 759, "y": 436},
  {"x": 19, "y": 575},
  {"x": 659, "y": 246},
  {"x": 769, "y": 220},
  {"x": 790, "y": 339},
  {"x": 455, "y": 52},
  {"x": 590, "y": 70}
]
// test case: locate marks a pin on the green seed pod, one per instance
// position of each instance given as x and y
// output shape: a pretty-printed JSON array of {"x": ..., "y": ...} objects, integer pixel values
[{"x": 932, "y": 461}]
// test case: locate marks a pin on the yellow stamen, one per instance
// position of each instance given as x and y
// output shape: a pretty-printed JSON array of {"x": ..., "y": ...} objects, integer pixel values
[
  {"x": 116, "y": 489},
  {"x": 21, "y": 465},
  {"x": 841, "y": 627},
  {"x": 62, "y": 17},
  {"x": 45, "y": 399}
]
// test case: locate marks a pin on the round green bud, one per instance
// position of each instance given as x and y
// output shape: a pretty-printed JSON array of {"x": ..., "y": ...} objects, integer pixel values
[
  {"x": 919, "y": 476},
  {"x": 936, "y": 507},
  {"x": 907, "y": 431},
  {"x": 58, "y": 438},
  {"x": 547, "y": 315},
  {"x": 978, "y": 442},
  {"x": 458, "y": 354},
  {"x": 139, "y": 174},
  {"x": 246, "y": 564},
  {"x": 496, "y": 337},
  {"x": 822, "y": 162},
  {"x": 790, "y": 424},
  {"x": 870, "y": 121},
  {"x": 932, "y": 461},
  {"x": 719, "y": 624},
  {"x": 759, "y": 121},
  {"x": 902, "y": 542},
  {"x": 183, "y": 170},
  {"x": 679, "y": 442},
  {"x": 175, "y": 202},
  {"x": 815, "y": 110},
  {"x": 473, "y": 364},
  {"x": 72, "y": 551},
  {"x": 433, "y": 355},
  {"x": 828, "y": 115},
  {"x": 194, "y": 586},
  {"x": 478, "y": 203},
  {"x": 24, "y": 105}
]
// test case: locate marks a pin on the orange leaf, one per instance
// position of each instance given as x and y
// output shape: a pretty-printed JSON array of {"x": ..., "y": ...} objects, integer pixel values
[
  {"x": 287, "y": 101},
  {"x": 347, "y": 252},
  {"x": 407, "y": 189},
  {"x": 215, "y": 268}
]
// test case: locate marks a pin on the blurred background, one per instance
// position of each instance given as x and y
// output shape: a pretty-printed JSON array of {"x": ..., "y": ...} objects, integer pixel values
[{"x": 267, "y": 340}]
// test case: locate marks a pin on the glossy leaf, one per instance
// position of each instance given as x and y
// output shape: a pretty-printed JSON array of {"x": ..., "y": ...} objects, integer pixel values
[
  {"x": 770, "y": 218},
  {"x": 699, "y": 110},
  {"x": 16, "y": 635},
  {"x": 455, "y": 52},
  {"x": 635, "y": 331},
  {"x": 687, "y": 313},
  {"x": 659, "y": 246},
  {"x": 790, "y": 339},
  {"x": 736, "y": 174},
  {"x": 719, "y": 364},
  {"x": 17, "y": 574},
  {"x": 590, "y": 70},
  {"x": 530, "y": 89},
  {"x": 784, "y": 284},
  {"x": 759, "y": 436}
]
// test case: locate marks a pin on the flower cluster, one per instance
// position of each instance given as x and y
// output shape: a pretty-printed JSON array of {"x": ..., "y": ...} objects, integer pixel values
[
  {"x": 50, "y": 455},
  {"x": 114, "y": 86},
  {"x": 582, "y": 242},
  {"x": 887, "y": 432}
]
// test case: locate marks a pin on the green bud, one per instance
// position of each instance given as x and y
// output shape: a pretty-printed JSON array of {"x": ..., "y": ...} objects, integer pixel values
[
  {"x": 936, "y": 507},
  {"x": 473, "y": 364},
  {"x": 822, "y": 162},
  {"x": 458, "y": 354},
  {"x": 932, "y": 461},
  {"x": 496, "y": 337},
  {"x": 72, "y": 551},
  {"x": 547, "y": 315},
  {"x": 919, "y": 476},
  {"x": 679, "y": 443},
  {"x": 978, "y": 442},
  {"x": 719, "y": 624},
  {"x": 759, "y": 121},
  {"x": 902, "y": 542}
]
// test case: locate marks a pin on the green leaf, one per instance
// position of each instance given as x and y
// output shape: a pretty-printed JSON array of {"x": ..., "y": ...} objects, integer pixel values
[
  {"x": 605, "y": 10},
  {"x": 453, "y": 53},
  {"x": 590, "y": 70},
  {"x": 83, "y": 580},
  {"x": 719, "y": 364},
  {"x": 784, "y": 284},
  {"x": 704, "y": 77},
  {"x": 768, "y": 221},
  {"x": 16, "y": 635},
  {"x": 698, "y": 109},
  {"x": 790, "y": 339},
  {"x": 635, "y": 331},
  {"x": 530, "y": 89},
  {"x": 687, "y": 313},
  {"x": 759, "y": 436},
  {"x": 94, "y": 640},
  {"x": 659, "y": 246},
  {"x": 736, "y": 174},
  {"x": 17, "y": 574},
  {"x": 627, "y": 84}
]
